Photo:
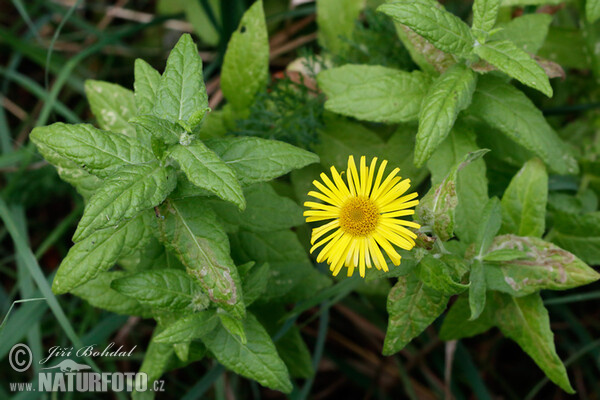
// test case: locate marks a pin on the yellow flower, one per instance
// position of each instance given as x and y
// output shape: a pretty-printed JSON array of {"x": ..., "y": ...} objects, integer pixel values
[{"x": 365, "y": 217}]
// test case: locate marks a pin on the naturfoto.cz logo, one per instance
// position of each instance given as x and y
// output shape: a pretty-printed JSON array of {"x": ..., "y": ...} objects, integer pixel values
[{"x": 70, "y": 376}]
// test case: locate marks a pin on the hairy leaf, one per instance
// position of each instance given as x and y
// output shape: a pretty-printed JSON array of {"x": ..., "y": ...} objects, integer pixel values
[
  {"x": 190, "y": 229},
  {"x": 99, "y": 152},
  {"x": 207, "y": 170},
  {"x": 513, "y": 61},
  {"x": 112, "y": 105},
  {"x": 447, "y": 96},
  {"x": 444, "y": 30},
  {"x": 485, "y": 13},
  {"x": 133, "y": 188},
  {"x": 412, "y": 307}
]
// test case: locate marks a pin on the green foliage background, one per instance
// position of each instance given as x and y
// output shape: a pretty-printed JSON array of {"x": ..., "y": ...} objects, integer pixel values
[{"x": 209, "y": 243}]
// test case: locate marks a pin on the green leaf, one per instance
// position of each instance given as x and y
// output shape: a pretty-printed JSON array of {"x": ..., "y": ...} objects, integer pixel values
[
  {"x": 412, "y": 307},
  {"x": 166, "y": 131},
  {"x": 374, "y": 93},
  {"x": 579, "y": 234},
  {"x": 513, "y": 61},
  {"x": 255, "y": 283},
  {"x": 98, "y": 252},
  {"x": 505, "y": 108},
  {"x": 257, "y": 359},
  {"x": 485, "y": 13},
  {"x": 258, "y": 160},
  {"x": 265, "y": 211},
  {"x": 291, "y": 347},
  {"x": 508, "y": 3},
  {"x": 156, "y": 359},
  {"x": 505, "y": 255},
  {"x": 112, "y": 105},
  {"x": 525, "y": 320},
  {"x": 436, "y": 275},
  {"x": 206, "y": 170},
  {"x": 437, "y": 208},
  {"x": 527, "y": 32},
  {"x": 524, "y": 201},
  {"x": 99, "y": 152},
  {"x": 196, "y": 14},
  {"x": 489, "y": 224},
  {"x": 181, "y": 95},
  {"x": 592, "y": 10},
  {"x": 336, "y": 20},
  {"x": 566, "y": 46},
  {"x": 98, "y": 293},
  {"x": 471, "y": 183},
  {"x": 232, "y": 325},
  {"x": 477, "y": 289},
  {"x": 190, "y": 229},
  {"x": 133, "y": 188},
  {"x": 190, "y": 327},
  {"x": 546, "y": 267},
  {"x": 166, "y": 289},
  {"x": 245, "y": 69},
  {"x": 292, "y": 275},
  {"x": 430, "y": 59},
  {"x": 447, "y": 96},
  {"x": 147, "y": 81},
  {"x": 444, "y": 30},
  {"x": 457, "y": 323}
]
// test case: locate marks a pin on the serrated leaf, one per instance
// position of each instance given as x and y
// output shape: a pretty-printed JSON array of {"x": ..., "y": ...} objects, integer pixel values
[
  {"x": 98, "y": 252},
  {"x": 527, "y": 32},
  {"x": 485, "y": 13},
  {"x": 579, "y": 234},
  {"x": 191, "y": 230},
  {"x": 247, "y": 157},
  {"x": 489, "y": 224},
  {"x": 374, "y": 93},
  {"x": 513, "y": 61},
  {"x": 444, "y": 30},
  {"x": 412, "y": 307},
  {"x": 206, "y": 170},
  {"x": 257, "y": 359},
  {"x": 457, "y": 323},
  {"x": 505, "y": 108},
  {"x": 435, "y": 274},
  {"x": 166, "y": 131},
  {"x": 99, "y": 293},
  {"x": 265, "y": 211},
  {"x": 99, "y": 152},
  {"x": 112, "y": 105},
  {"x": 592, "y": 10},
  {"x": 524, "y": 201},
  {"x": 447, "y": 96},
  {"x": 133, "y": 188},
  {"x": 546, "y": 267},
  {"x": 477, "y": 289},
  {"x": 525, "y": 320},
  {"x": 181, "y": 95},
  {"x": 147, "y": 81},
  {"x": 437, "y": 208},
  {"x": 190, "y": 327},
  {"x": 166, "y": 289},
  {"x": 471, "y": 183},
  {"x": 245, "y": 69},
  {"x": 336, "y": 20},
  {"x": 429, "y": 58}
]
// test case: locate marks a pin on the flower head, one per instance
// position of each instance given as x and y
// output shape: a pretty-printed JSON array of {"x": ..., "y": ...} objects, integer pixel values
[{"x": 364, "y": 216}]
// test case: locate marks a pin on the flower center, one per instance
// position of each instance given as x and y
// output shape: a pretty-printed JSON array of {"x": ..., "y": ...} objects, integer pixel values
[{"x": 359, "y": 216}]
